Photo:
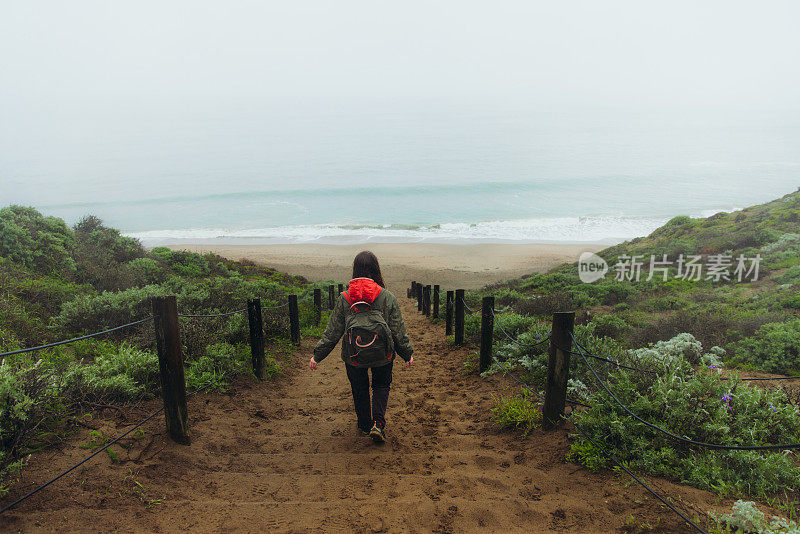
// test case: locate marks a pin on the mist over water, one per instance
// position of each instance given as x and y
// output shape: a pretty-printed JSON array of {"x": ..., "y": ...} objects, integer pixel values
[
  {"x": 376, "y": 174},
  {"x": 353, "y": 121}
]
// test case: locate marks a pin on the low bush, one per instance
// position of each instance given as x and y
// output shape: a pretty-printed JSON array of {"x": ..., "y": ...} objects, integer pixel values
[
  {"x": 701, "y": 407},
  {"x": 775, "y": 347},
  {"x": 220, "y": 363},
  {"x": 519, "y": 412}
]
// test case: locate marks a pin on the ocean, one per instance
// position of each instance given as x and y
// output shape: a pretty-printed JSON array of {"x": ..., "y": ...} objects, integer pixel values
[{"x": 383, "y": 174}]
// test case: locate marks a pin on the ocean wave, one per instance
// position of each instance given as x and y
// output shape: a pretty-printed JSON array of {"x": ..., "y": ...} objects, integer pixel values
[
  {"x": 562, "y": 229},
  {"x": 290, "y": 196}
]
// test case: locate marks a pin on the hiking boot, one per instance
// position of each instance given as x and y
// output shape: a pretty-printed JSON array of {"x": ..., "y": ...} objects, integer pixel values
[
  {"x": 377, "y": 434},
  {"x": 364, "y": 431}
]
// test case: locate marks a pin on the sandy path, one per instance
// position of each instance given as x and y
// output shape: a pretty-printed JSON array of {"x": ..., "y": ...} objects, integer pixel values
[{"x": 285, "y": 456}]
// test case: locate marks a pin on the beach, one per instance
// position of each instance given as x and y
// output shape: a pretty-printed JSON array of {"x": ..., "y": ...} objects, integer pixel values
[{"x": 467, "y": 266}]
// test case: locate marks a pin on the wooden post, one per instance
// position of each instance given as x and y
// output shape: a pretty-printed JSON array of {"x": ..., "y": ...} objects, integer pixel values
[
  {"x": 426, "y": 301},
  {"x": 487, "y": 331},
  {"x": 317, "y": 305},
  {"x": 294, "y": 319},
  {"x": 436, "y": 301},
  {"x": 555, "y": 394},
  {"x": 419, "y": 297},
  {"x": 448, "y": 313},
  {"x": 340, "y": 288},
  {"x": 459, "y": 333},
  {"x": 414, "y": 288},
  {"x": 170, "y": 365},
  {"x": 331, "y": 302},
  {"x": 256, "y": 338}
]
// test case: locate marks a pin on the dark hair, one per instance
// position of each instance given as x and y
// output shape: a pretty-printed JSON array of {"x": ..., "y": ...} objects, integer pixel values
[{"x": 366, "y": 266}]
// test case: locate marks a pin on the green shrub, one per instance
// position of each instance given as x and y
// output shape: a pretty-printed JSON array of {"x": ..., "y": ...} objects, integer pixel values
[
  {"x": 106, "y": 310},
  {"x": 746, "y": 517},
  {"x": 44, "y": 244},
  {"x": 503, "y": 297},
  {"x": 220, "y": 363},
  {"x": 101, "y": 255},
  {"x": 792, "y": 301},
  {"x": 701, "y": 407},
  {"x": 666, "y": 303},
  {"x": 122, "y": 373},
  {"x": 144, "y": 271},
  {"x": 775, "y": 347},
  {"x": 611, "y": 326},
  {"x": 519, "y": 412},
  {"x": 30, "y": 408}
]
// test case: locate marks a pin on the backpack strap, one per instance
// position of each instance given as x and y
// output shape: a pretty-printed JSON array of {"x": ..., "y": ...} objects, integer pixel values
[{"x": 355, "y": 305}]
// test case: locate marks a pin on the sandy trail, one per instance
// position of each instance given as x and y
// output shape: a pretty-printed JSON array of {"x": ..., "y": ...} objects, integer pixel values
[{"x": 285, "y": 456}]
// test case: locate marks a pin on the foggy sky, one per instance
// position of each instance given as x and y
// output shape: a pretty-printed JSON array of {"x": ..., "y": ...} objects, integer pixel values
[{"x": 706, "y": 53}]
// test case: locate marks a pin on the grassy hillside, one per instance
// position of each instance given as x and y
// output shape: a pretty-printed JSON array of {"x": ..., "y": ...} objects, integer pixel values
[
  {"x": 59, "y": 283},
  {"x": 683, "y": 337},
  {"x": 756, "y": 322}
]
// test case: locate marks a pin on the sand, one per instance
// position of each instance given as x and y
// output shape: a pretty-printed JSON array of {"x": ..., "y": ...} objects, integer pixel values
[
  {"x": 285, "y": 456},
  {"x": 466, "y": 266}
]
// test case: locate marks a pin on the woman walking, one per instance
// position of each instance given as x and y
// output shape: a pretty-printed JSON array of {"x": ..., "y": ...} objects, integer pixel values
[{"x": 369, "y": 318}]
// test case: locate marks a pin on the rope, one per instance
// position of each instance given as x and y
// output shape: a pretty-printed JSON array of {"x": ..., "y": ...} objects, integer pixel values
[
  {"x": 615, "y": 362},
  {"x": 687, "y": 441},
  {"x": 606, "y": 359},
  {"x": 470, "y": 310},
  {"x": 645, "y": 486},
  {"x": 57, "y": 343},
  {"x": 275, "y": 307},
  {"x": 510, "y": 373},
  {"x": 772, "y": 378},
  {"x": 101, "y": 449},
  {"x": 510, "y": 338},
  {"x": 98, "y": 451},
  {"x": 192, "y": 316}
]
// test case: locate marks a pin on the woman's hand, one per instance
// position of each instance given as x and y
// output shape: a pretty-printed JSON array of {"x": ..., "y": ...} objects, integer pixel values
[
  {"x": 410, "y": 362},
  {"x": 313, "y": 364}
]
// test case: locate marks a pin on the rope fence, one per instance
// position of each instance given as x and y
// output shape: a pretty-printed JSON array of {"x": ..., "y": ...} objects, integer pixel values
[
  {"x": 554, "y": 400},
  {"x": 64, "y": 342},
  {"x": 171, "y": 362}
]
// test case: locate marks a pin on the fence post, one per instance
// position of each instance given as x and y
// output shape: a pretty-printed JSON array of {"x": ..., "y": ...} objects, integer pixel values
[
  {"x": 294, "y": 319},
  {"x": 426, "y": 301},
  {"x": 436, "y": 301},
  {"x": 256, "y": 337},
  {"x": 555, "y": 394},
  {"x": 317, "y": 305},
  {"x": 170, "y": 365},
  {"x": 420, "y": 290},
  {"x": 340, "y": 287},
  {"x": 459, "y": 333},
  {"x": 414, "y": 288},
  {"x": 448, "y": 314},
  {"x": 330, "y": 297},
  {"x": 487, "y": 330}
]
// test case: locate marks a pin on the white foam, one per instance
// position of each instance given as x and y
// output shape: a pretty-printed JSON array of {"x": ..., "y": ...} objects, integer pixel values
[{"x": 563, "y": 229}]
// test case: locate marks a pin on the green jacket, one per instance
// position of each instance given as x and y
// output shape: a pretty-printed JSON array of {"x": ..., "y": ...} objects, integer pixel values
[{"x": 387, "y": 303}]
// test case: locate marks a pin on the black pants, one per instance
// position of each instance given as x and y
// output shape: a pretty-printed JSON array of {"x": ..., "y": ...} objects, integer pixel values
[{"x": 359, "y": 383}]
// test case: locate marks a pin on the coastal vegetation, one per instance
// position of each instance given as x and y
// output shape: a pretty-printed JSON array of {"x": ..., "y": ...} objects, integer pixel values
[
  {"x": 58, "y": 282},
  {"x": 688, "y": 344}
]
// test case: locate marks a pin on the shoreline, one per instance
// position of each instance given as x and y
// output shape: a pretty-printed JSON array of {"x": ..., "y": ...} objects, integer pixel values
[{"x": 468, "y": 266}]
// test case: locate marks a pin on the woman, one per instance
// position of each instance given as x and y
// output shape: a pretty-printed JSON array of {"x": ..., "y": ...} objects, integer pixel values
[{"x": 370, "y": 317}]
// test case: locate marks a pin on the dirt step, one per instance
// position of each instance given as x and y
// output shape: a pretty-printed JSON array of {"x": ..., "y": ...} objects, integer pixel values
[{"x": 351, "y": 464}]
